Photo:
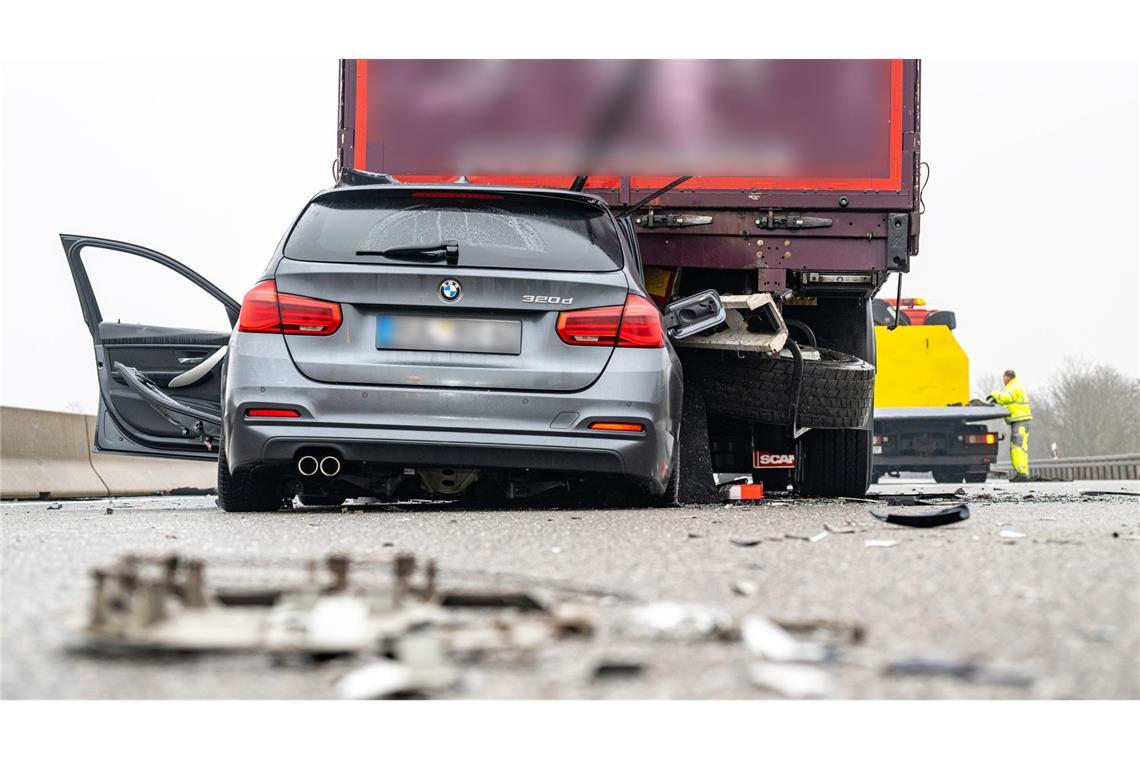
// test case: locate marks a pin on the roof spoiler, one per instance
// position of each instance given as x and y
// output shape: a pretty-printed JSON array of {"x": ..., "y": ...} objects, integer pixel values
[{"x": 356, "y": 177}]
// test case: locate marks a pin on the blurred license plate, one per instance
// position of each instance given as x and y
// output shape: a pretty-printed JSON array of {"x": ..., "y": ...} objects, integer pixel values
[{"x": 471, "y": 336}]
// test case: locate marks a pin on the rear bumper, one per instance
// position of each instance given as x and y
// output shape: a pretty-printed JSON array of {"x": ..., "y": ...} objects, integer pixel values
[
  {"x": 405, "y": 426},
  {"x": 923, "y": 463}
]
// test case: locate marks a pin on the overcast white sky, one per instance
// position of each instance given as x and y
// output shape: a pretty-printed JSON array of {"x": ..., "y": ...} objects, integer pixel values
[{"x": 1030, "y": 233}]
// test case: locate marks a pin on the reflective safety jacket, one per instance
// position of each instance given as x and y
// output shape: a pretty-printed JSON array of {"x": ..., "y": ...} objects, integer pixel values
[{"x": 1015, "y": 400}]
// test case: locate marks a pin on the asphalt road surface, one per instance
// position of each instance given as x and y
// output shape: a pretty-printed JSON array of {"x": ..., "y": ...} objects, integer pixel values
[{"x": 1057, "y": 607}]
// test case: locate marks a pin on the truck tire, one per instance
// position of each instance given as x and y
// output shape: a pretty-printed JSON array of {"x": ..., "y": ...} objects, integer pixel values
[
  {"x": 834, "y": 463},
  {"x": 836, "y": 390},
  {"x": 250, "y": 490}
]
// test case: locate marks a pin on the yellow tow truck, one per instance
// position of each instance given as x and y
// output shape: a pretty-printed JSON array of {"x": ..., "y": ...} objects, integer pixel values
[{"x": 924, "y": 420}]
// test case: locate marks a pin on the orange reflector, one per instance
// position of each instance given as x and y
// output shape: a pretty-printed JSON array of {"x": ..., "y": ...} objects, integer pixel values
[
  {"x": 618, "y": 427},
  {"x": 266, "y": 412},
  {"x": 991, "y": 437}
]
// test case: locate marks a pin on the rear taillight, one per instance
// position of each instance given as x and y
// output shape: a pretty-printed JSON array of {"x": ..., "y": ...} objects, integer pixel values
[
  {"x": 981, "y": 439},
  {"x": 266, "y": 310},
  {"x": 636, "y": 325}
]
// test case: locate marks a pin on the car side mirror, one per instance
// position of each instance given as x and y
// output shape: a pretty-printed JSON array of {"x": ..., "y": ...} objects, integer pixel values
[{"x": 689, "y": 316}]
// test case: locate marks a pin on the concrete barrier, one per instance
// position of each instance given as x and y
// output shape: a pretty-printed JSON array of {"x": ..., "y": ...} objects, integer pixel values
[{"x": 48, "y": 455}]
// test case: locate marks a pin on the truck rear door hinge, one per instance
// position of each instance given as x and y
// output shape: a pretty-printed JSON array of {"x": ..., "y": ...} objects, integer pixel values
[
  {"x": 653, "y": 219},
  {"x": 774, "y": 221}
]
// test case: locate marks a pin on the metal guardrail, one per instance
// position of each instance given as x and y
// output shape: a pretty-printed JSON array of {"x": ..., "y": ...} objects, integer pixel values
[{"x": 1115, "y": 467}]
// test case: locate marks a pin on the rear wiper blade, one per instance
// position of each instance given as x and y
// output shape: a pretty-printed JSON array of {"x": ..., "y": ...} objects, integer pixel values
[{"x": 444, "y": 250}]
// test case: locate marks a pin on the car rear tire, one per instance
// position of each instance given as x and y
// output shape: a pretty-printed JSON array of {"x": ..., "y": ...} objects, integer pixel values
[
  {"x": 256, "y": 489},
  {"x": 834, "y": 463},
  {"x": 836, "y": 390},
  {"x": 692, "y": 479}
]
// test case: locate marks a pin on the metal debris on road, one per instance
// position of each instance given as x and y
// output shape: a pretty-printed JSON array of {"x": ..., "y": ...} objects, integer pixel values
[
  {"x": 163, "y": 603},
  {"x": 791, "y": 680},
  {"x": 947, "y": 516},
  {"x": 879, "y": 543},
  {"x": 965, "y": 670}
]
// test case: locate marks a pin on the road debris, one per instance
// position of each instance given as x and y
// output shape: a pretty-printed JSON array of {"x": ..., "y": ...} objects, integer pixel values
[
  {"x": 109, "y": 511},
  {"x": 678, "y": 620},
  {"x": 818, "y": 537},
  {"x": 746, "y": 542},
  {"x": 162, "y": 603},
  {"x": 879, "y": 543},
  {"x": 769, "y": 641},
  {"x": 791, "y": 680},
  {"x": 744, "y": 588},
  {"x": 965, "y": 670},
  {"x": 832, "y": 631},
  {"x": 55, "y": 506},
  {"x": 1110, "y": 493},
  {"x": 947, "y": 516},
  {"x": 607, "y": 669},
  {"x": 837, "y": 531},
  {"x": 388, "y": 679},
  {"x": 1011, "y": 534}
]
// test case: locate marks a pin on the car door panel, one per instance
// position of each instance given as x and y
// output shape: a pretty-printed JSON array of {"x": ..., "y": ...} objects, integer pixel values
[{"x": 129, "y": 422}]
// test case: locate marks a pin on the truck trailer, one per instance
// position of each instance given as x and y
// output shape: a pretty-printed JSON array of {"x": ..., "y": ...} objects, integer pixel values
[
  {"x": 924, "y": 420},
  {"x": 802, "y": 225}
]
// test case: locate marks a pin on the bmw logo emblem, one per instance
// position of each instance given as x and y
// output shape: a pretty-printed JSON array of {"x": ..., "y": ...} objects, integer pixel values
[{"x": 450, "y": 291}]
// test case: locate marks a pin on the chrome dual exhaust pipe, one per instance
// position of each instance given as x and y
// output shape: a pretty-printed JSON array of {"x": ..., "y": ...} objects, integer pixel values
[{"x": 309, "y": 466}]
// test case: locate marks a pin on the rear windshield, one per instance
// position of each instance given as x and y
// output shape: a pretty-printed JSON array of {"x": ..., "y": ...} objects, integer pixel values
[{"x": 495, "y": 231}]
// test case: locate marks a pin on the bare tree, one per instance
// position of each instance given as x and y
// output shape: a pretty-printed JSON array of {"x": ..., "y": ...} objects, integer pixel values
[
  {"x": 986, "y": 383},
  {"x": 1087, "y": 410}
]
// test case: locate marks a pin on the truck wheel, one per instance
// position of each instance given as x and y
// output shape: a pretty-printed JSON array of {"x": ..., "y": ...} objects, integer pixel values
[
  {"x": 836, "y": 390},
  {"x": 834, "y": 463},
  {"x": 252, "y": 490}
]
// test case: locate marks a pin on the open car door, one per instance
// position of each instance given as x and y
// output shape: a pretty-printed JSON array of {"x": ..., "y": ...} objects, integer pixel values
[{"x": 160, "y": 382}]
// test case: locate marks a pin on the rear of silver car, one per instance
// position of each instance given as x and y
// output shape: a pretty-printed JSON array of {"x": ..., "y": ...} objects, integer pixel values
[{"x": 451, "y": 339}]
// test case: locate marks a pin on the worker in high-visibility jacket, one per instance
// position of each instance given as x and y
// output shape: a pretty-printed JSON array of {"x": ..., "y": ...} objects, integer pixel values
[{"x": 1016, "y": 402}]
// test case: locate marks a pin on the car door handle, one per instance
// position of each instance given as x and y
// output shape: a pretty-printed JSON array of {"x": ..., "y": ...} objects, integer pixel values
[{"x": 191, "y": 360}]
